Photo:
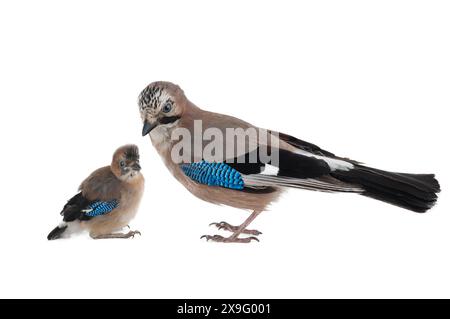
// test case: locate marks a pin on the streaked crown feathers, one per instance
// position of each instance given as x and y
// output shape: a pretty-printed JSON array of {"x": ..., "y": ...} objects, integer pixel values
[
  {"x": 157, "y": 93},
  {"x": 129, "y": 151}
]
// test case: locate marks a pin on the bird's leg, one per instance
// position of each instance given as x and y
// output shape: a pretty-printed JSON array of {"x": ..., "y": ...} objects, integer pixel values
[
  {"x": 231, "y": 228},
  {"x": 234, "y": 238},
  {"x": 131, "y": 234}
]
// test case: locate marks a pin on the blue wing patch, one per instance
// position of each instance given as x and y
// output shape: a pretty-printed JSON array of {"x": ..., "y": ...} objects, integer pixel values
[
  {"x": 214, "y": 174},
  {"x": 100, "y": 208}
]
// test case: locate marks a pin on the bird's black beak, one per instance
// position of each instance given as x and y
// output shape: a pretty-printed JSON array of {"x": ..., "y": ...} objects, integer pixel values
[
  {"x": 136, "y": 167},
  {"x": 148, "y": 127}
]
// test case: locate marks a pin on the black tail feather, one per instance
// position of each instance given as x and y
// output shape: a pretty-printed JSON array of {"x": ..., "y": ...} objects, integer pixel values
[
  {"x": 56, "y": 233},
  {"x": 416, "y": 192}
]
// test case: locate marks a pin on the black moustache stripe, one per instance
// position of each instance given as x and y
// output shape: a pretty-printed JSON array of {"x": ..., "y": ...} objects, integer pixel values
[{"x": 169, "y": 119}]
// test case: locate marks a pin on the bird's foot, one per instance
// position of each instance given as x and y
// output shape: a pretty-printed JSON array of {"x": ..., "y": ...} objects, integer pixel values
[
  {"x": 231, "y": 239},
  {"x": 233, "y": 229},
  {"x": 131, "y": 234}
]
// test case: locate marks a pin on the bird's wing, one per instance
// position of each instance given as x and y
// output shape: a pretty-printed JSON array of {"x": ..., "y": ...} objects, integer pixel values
[
  {"x": 213, "y": 174},
  {"x": 299, "y": 164},
  {"x": 323, "y": 184},
  {"x": 98, "y": 208},
  {"x": 309, "y": 147},
  {"x": 101, "y": 185},
  {"x": 239, "y": 138},
  {"x": 259, "y": 177},
  {"x": 308, "y": 167},
  {"x": 81, "y": 208},
  {"x": 225, "y": 135}
]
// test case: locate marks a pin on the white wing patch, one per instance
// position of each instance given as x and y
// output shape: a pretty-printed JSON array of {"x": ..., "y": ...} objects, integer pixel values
[
  {"x": 270, "y": 170},
  {"x": 335, "y": 164}
]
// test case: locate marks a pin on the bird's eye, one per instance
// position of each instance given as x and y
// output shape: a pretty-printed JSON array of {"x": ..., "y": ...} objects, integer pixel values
[
  {"x": 122, "y": 163},
  {"x": 167, "y": 107}
]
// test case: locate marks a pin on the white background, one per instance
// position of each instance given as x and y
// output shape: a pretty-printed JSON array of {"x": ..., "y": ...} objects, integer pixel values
[{"x": 368, "y": 80}]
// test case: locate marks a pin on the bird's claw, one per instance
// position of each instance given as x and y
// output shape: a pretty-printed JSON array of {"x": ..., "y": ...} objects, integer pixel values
[
  {"x": 213, "y": 237},
  {"x": 221, "y": 239},
  {"x": 225, "y": 226},
  {"x": 133, "y": 233}
]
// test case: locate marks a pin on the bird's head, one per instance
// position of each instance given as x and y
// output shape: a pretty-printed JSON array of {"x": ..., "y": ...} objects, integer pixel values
[
  {"x": 125, "y": 164},
  {"x": 161, "y": 105}
]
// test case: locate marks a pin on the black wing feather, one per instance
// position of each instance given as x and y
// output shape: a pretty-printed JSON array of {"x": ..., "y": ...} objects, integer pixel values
[
  {"x": 289, "y": 164},
  {"x": 312, "y": 148},
  {"x": 73, "y": 210},
  {"x": 294, "y": 170}
]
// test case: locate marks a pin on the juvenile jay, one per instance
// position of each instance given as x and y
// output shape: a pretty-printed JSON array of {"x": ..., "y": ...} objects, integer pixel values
[
  {"x": 107, "y": 200},
  {"x": 248, "y": 181}
]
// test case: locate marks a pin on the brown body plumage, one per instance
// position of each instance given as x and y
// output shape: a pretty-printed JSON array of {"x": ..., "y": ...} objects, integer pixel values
[
  {"x": 122, "y": 182},
  {"x": 130, "y": 194},
  {"x": 217, "y": 195},
  {"x": 161, "y": 139},
  {"x": 165, "y": 109}
]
